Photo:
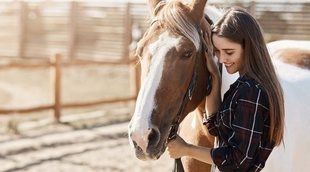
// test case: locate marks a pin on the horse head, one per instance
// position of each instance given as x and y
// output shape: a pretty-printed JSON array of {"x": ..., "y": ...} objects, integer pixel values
[{"x": 174, "y": 76}]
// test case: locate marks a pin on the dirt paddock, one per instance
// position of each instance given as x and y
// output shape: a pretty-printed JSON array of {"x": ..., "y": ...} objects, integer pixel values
[
  {"x": 76, "y": 146},
  {"x": 92, "y": 139}
]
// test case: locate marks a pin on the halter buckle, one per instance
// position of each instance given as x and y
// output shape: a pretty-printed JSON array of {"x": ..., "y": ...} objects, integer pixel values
[{"x": 173, "y": 131}]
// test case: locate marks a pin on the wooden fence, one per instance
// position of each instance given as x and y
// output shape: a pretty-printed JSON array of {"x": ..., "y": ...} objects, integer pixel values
[
  {"x": 103, "y": 30},
  {"x": 80, "y": 30},
  {"x": 56, "y": 65},
  {"x": 100, "y": 33},
  {"x": 280, "y": 20}
]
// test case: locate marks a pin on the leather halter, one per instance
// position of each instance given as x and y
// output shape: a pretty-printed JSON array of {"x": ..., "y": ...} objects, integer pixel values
[
  {"x": 192, "y": 85},
  {"x": 178, "y": 166},
  {"x": 189, "y": 93}
]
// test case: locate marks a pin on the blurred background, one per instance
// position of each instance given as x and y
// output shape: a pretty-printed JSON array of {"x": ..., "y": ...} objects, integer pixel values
[{"x": 68, "y": 79}]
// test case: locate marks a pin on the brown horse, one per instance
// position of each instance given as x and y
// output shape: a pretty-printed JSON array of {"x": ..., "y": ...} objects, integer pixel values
[{"x": 174, "y": 80}]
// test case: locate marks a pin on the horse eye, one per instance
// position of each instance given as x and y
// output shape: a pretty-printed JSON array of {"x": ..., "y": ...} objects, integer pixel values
[{"x": 187, "y": 54}]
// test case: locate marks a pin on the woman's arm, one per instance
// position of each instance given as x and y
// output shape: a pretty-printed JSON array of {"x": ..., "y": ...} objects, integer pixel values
[
  {"x": 178, "y": 148},
  {"x": 199, "y": 153},
  {"x": 213, "y": 100}
]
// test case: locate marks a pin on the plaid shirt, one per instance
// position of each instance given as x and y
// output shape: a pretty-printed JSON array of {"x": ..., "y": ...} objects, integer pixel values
[{"x": 241, "y": 126}]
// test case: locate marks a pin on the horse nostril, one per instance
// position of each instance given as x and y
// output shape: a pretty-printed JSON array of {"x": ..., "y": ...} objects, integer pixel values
[
  {"x": 135, "y": 144},
  {"x": 154, "y": 137}
]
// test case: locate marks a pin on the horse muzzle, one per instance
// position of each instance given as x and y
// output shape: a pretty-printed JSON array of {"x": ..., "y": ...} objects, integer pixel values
[{"x": 148, "y": 145}]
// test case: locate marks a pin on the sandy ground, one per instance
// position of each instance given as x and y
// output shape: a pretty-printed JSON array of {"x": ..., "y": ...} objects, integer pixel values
[
  {"x": 67, "y": 147},
  {"x": 89, "y": 140}
]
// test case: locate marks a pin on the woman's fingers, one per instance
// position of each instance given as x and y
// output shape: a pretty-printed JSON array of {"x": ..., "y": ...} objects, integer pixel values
[
  {"x": 212, "y": 67},
  {"x": 175, "y": 147}
]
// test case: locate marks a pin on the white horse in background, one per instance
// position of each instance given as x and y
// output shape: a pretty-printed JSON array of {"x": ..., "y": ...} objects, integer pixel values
[
  {"x": 294, "y": 154},
  {"x": 296, "y": 52}
]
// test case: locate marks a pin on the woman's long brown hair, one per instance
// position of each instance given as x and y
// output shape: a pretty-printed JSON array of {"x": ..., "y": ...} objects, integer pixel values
[{"x": 239, "y": 26}]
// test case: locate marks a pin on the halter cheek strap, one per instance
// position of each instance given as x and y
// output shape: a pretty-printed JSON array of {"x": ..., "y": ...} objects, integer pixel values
[
  {"x": 189, "y": 93},
  {"x": 186, "y": 98}
]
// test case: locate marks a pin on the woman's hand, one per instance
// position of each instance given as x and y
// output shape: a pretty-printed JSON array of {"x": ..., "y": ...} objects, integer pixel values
[
  {"x": 209, "y": 55},
  {"x": 213, "y": 100},
  {"x": 177, "y": 147}
]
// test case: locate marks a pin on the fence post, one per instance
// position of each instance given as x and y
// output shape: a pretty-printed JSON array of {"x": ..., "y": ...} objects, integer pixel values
[
  {"x": 23, "y": 20},
  {"x": 56, "y": 61},
  {"x": 253, "y": 8},
  {"x": 73, "y": 30},
  {"x": 128, "y": 31},
  {"x": 134, "y": 72}
]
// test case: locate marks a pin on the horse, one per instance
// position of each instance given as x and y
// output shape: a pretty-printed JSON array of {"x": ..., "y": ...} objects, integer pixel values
[
  {"x": 296, "y": 52},
  {"x": 169, "y": 65},
  {"x": 174, "y": 79}
]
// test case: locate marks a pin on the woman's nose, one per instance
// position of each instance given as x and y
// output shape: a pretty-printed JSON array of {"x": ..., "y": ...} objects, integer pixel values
[{"x": 221, "y": 59}]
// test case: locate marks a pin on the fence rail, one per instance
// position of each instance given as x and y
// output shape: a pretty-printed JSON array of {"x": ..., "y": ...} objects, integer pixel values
[
  {"x": 95, "y": 33},
  {"x": 102, "y": 30},
  {"x": 56, "y": 65}
]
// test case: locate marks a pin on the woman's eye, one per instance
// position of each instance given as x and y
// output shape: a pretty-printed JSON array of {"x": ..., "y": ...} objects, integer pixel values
[{"x": 229, "y": 53}]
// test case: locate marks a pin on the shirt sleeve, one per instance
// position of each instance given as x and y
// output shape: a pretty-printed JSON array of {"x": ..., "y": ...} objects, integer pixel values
[
  {"x": 210, "y": 123},
  {"x": 247, "y": 126}
]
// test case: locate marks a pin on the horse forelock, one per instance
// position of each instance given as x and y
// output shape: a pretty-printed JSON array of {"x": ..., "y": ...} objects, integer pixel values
[{"x": 174, "y": 17}]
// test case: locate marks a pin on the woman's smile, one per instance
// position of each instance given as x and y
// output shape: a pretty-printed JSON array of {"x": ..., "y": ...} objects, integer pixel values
[{"x": 228, "y": 64}]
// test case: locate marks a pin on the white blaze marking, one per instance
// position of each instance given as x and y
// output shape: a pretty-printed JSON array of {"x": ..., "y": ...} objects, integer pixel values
[{"x": 145, "y": 102}]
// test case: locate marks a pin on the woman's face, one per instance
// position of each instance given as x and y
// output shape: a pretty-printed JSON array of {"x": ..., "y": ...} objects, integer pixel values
[{"x": 230, "y": 54}]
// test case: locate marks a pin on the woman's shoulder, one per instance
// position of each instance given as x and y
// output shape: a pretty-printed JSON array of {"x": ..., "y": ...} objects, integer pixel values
[
  {"x": 251, "y": 90},
  {"x": 248, "y": 83}
]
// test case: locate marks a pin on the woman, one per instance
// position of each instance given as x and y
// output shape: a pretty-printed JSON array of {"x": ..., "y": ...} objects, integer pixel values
[{"x": 250, "y": 120}]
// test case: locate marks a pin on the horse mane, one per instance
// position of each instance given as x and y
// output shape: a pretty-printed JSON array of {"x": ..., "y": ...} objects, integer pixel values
[{"x": 173, "y": 17}]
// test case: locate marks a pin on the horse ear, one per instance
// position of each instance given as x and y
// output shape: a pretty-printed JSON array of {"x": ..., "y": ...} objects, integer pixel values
[
  {"x": 197, "y": 10},
  {"x": 153, "y": 4}
]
